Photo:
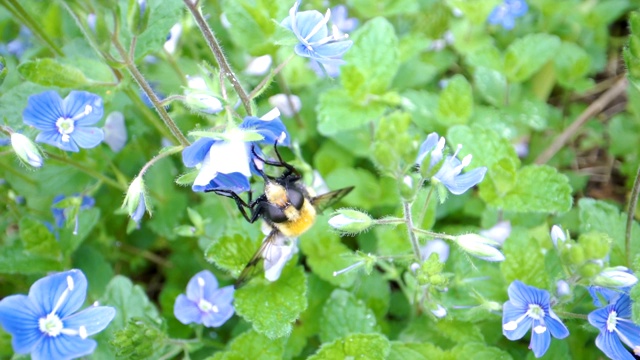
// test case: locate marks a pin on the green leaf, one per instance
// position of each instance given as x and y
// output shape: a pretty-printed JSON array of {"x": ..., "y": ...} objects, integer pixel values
[
  {"x": 343, "y": 314},
  {"x": 355, "y": 346},
  {"x": 373, "y": 60},
  {"x": 16, "y": 260},
  {"x": 384, "y": 7},
  {"x": 528, "y": 54},
  {"x": 374, "y": 290},
  {"x": 233, "y": 250},
  {"x": 87, "y": 220},
  {"x": 455, "y": 104},
  {"x": 491, "y": 84},
  {"x": 38, "y": 240},
  {"x": 49, "y": 72},
  {"x": 326, "y": 254},
  {"x": 337, "y": 112},
  {"x": 252, "y": 345},
  {"x": 367, "y": 192},
  {"x": 130, "y": 301},
  {"x": 486, "y": 145},
  {"x": 272, "y": 306},
  {"x": 478, "y": 350},
  {"x": 415, "y": 351},
  {"x": 252, "y": 22},
  {"x": 524, "y": 259},
  {"x": 537, "y": 188},
  {"x": 162, "y": 16},
  {"x": 476, "y": 11},
  {"x": 572, "y": 63}
]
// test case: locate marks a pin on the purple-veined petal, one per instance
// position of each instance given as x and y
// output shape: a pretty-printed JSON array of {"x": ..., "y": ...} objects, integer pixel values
[
  {"x": 235, "y": 182},
  {"x": 623, "y": 306},
  {"x": 195, "y": 292},
  {"x": 63, "y": 347},
  {"x": 87, "y": 137},
  {"x": 461, "y": 183},
  {"x": 539, "y": 341},
  {"x": 333, "y": 49},
  {"x": 628, "y": 332},
  {"x": 510, "y": 312},
  {"x": 93, "y": 318},
  {"x": 19, "y": 317},
  {"x": 611, "y": 346},
  {"x": 272, "y": 130},
  {"x": 47, "y": 291},
  {"x": 186, "y": 311},
  {"x": 598, "y": 318},
  {"x": 55, "y": 138},
  {"x": 43, "y": 110},
  {"x": 195, "y": 153},
  {"x": 84, "y": 106},
  {"x": 215, "y": 319},
  {"x": 224, "y": 157},
  {"x": 555, "y": 326},
  {"x": 598, "y": 292},
  {"x": 520, "y": 294}
]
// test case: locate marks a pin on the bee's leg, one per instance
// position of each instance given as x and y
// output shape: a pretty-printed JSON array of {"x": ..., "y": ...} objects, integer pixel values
[
  {"x": 241, "y": 204},
  {"x": 279, "y": 163}
]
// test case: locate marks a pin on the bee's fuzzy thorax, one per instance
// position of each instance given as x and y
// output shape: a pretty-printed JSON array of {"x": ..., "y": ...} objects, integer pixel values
[{"x": 276, "y": 194}]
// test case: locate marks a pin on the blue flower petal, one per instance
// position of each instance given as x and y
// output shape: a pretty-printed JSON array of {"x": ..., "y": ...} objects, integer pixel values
[
  {"x": 235, "y": 182},
  {"x": 512, "y": 313},
  {"x": 186, "y": 311},
  {"x": 87, "y": 137},
  {"x": 43, "y": 110},
  {"x": 55, "y": 138},
  {"x": 517, "y": 8},
  {"x": 461, "y": 183},
  {"x": 333, "y": 49},
  {"x": 623, "y": 306},
  {"x": 195, "y": 153},
  {"x": 195, "y": 292},
  {"x": 598, "y": 318},
  {"x": 427, "y": 145},
  {"x": 611, "y": 346},
  {"x": 223, "y": 295},
  {"x": 140, "y": 210},
  {"x": 18, "y": 316},
  {"x": 302, "y": 50},
  {"x": 93, "y": 318},
  {"x": 520, "y": 294},
  {"x": 75, "y": 105},
  {"x": 271, "y": 130},
  {"x": 63, "y": 347},
  {"x": 630, "y": 331},
  {"x": 47, "y": 291},
  {"x": 215, "y": 319},
  {"x": 540, "y": 342},
  {"x": 555, "y": 326},
  {"x": 306, "y": 21}
]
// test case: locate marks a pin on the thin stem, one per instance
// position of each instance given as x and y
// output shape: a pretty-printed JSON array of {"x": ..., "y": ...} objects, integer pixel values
[
  {"x": 633, "y": 202},
  {"x": 158, "y": 157},
  {"x": 142, "y": 82},
  {"x": 25, "y": 18},
  {"x": 571, "y": 315},
  {"x": 171, "y": 98},
  {"x": 412, "y": 236},
  {"x": 263, "y": 84},
  {"x": 215, "y": 48},
  {"x": 423, "y": 212},
  {"x": 434, "y": 234},
  {"x": 88, "y": 171},
  {"x": 388, "y": 220}
]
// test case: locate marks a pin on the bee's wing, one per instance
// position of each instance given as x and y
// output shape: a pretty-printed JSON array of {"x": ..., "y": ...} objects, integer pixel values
[
  {"x": 251, "y": 269},
  {"x": 324, "y": 201}
]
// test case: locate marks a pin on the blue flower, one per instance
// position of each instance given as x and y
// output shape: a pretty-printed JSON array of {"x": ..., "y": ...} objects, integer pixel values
[
  {"x": 341, "y": 22},
  {"x": 60, "y": 214},
  {"x": 115, "y": 132},
  {"x": 227, "y": 164},
  {"x": 530, "y": 308},
  {"x": 615, "y": 326},
  {"x": 310, "y": 27},
  {"x": 506, "y": 13},
  {"x": 204, "y": 303},
  {"x": 610, "y": 296},
  {"x": 449, "y": 173},
  {"x": 45, "y": 323},
  {"x": 65, "y": 123}
]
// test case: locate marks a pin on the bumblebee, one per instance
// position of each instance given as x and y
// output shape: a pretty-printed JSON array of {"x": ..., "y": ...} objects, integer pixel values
[{"x": 286, "y": 206}]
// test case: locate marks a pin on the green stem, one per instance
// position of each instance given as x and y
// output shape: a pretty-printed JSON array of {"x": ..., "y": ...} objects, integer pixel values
[
  {"x": 174, "y": 65},
  {"x": 388, "y": 221},
  {"x": 262, "y": 86},
  {"x": 142, "y": 82},
  {"x": 19, "y": 12},
  {"x": 423, "y": 212},
  {"x": 571, "y": 315},
  {"x": 172, "y": 98},
  {"x": 633, "y": 202},
  {"x": 434, "y": 234},
  {"x": 88, "y": 171},
  {"x": 410, "y": 230},
  {"x": 158, "y": 157},
  {"x": 215, "y": 48}
]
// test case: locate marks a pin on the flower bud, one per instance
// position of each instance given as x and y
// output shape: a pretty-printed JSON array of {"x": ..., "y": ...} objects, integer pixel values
[
  {"x": 439, "y": 311},
  {"x": 557, "y": 234},
  {"x": 203, "y": 102},
  {"x": 26, "y": 150},
  {"x": 138, "y": 16},
  {"x": 350, "y": 221},
  {"x": 480, "y": 247},
  {"x": 615, "y": 277},
  {"x": 562, "y": 288},
  {"x": 135, "y": 201}
]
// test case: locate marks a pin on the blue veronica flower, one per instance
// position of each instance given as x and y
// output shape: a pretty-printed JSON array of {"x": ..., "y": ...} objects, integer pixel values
[
  {"x": 449, "y": 173},
  {"x": 506, "y": 13},
  {"x": 60, "y": 214},
  {"x": 610, "y": 296},
  {"x": 310, "y": 27},
  {"x": 616, "y": 328},
  {"x": 530, "y": 308},
  {"x": 341, "y": 22},
  {"x": 228, "y": 164},
  {"x": 204, "y": 302},
  {"x": 45, "y": 323},
  {"x": 115, "y": 132},
  {"x": 65, "y": 123}
]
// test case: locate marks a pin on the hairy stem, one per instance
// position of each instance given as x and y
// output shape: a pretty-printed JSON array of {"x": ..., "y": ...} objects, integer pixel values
[
  {"x": 633, "y": 202},
  {"x": 158, "y": 157},
  {"x": 215, "y": 48},
  {"x": 410, "y": 230}
]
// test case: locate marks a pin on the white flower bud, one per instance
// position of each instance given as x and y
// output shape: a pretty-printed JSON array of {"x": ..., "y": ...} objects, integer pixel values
[
  {"x": 615, "y": 277},
  {"x": 26, "y": 150},
  {"x": 557, "y": 234},
  {"x": 480, "y": 247},
  {"x": 350, "y": 221}
]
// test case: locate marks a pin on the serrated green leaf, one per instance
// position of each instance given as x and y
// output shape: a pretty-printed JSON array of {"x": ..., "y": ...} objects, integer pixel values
[
  {"x": 524, "y": 260},
  {"x": 343, "y": 314},
  {"x": 538, "y": 188},
  {"x": 188, "y": 178},
  {"x": 130, "y": 301},
  {"x": 337, "y": 111},
  {"x": 367, "y": 192},
  {"x": 272, "y": 306},
  {"x": 491, "y": 84},
  {"x": 374, "y": 290},
  {"x": 49, "y": 72},
  {"x": 162, "y": 16},
  {"x": 355, "y": 346},
  {"x": 455, "y": 104},
  {"x": 373, "y": 60},
  {"x": 486, "y": 145},
  {"x": 232, "y": 251},
  {"x": 528, "y": 54},
  {"x": 252, "y": 345},
  {"x": 415, "y": 351},
  {"x": 253, "y": 23},
  {"x": 38, "y": 240}
]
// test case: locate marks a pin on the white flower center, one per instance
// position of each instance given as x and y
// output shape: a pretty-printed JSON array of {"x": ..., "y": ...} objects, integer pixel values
[
  {"x": 51, "y": 325},
  {"x": 535, "y": 312},
  {"x": 65, "y": 127},
  {"x": 612, "y": 321},
  {"x": 206, "y": 306}
]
